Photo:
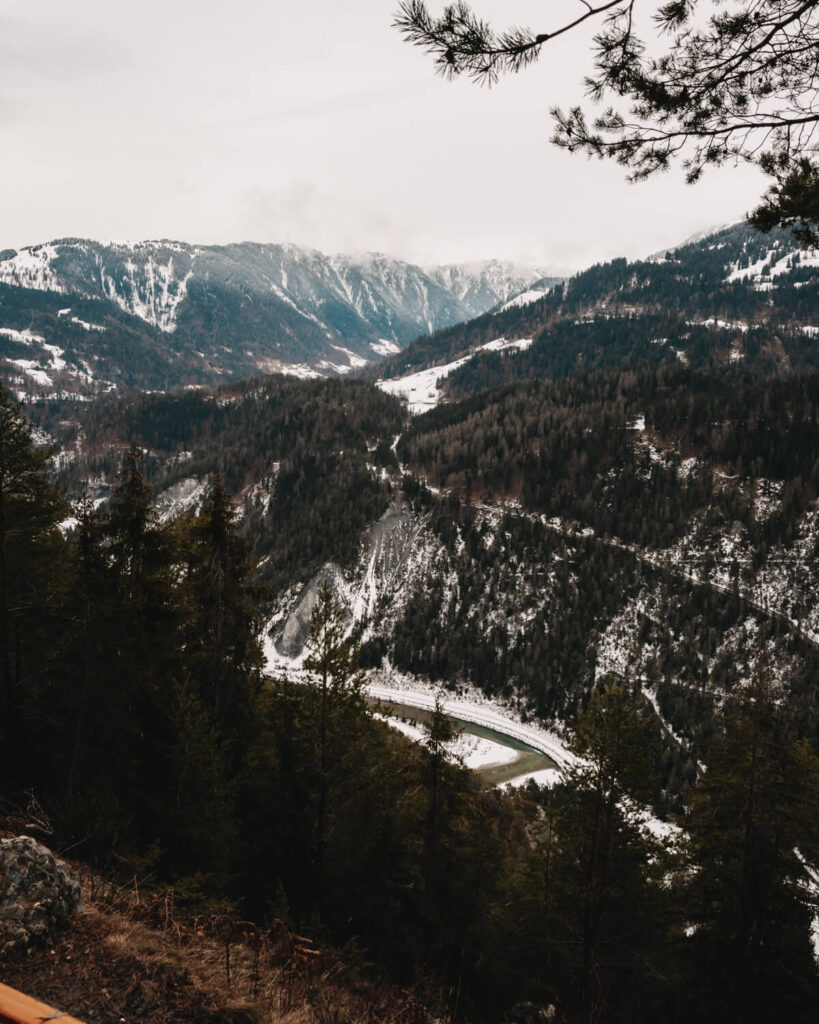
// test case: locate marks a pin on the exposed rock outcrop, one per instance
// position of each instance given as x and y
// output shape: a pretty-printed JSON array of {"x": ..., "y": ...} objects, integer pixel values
[
  {"x": 38, "y": 894},
  {"x": 296, "y": 628}
]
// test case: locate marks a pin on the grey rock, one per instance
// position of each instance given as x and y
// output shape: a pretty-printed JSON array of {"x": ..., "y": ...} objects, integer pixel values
[
  {"x": 38, "y": 895},
  {"x": 296, "y": 629}
]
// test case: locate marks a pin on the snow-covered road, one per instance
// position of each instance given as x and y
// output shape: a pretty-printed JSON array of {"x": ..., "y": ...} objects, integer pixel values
[{"x": 486, "y": 715}]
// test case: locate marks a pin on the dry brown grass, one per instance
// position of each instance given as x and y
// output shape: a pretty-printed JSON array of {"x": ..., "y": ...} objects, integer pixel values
[{"x": 128, "y": 957}]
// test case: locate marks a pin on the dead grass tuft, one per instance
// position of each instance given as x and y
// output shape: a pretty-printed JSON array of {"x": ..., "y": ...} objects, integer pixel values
[{"x": 128, "y": 958}]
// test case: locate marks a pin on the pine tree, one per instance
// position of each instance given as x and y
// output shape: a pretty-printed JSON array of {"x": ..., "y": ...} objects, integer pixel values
[
  {"x": 31, "y": 550},
  {"x": 221, "y": 628},
  {"x": 754, "y": 816},
  {"x": 439, "y": 734},
  {"x": 334, "y": 662},
  {"x": 607, "y": 911},
  {"x": 88, "y": 656},
  {"x": 145, "y": 660}
]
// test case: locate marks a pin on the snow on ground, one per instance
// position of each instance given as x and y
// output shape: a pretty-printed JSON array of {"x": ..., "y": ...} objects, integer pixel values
[
  {"x": 532, "y": 295},
  {"x": 384, "y": 347},
  {"x": 23, "y": 337},
  {"x": 420, "y": 389},
  {"x": 776, "y": 264},
  {"x": 301, "y": 370},
  {"x": 86, "y": 325},
  {"x": 767, "y": 499},
  {"x": 474, "y": 752},
  {"x": 56, "y": 360},
  {"x": 736, "y": 354},
  {"x": 686, "y": 467},
  {"x": 474, "y": 707},
  {"x": 150, "y": 290},
  {"x": 810, "y": 885},
  {"x": 503, "y": 344},
  {"x": 340, "y": 368},
  {"x": 67, "y": 525},
  {"x": 353, "y": 359},
  {"x": 544, "y": 777},
  {"x": 721, "y": 325},
  {"x": 32, "y": 369},
  {"x": 31, "y": 268},
  {"x": 52, "y": 360},
  {"x": 180, "y": 497},
  {"x": 480, "y": 752}
]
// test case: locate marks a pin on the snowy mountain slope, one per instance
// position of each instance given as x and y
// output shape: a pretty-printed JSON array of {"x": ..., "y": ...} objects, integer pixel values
[
  {"x": 231, "y": 310},
  {"x": 420, "y": 390},
  {"x": 733, "y": 280}
]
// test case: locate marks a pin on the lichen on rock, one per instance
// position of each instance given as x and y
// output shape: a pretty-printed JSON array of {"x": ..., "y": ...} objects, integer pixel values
[{"x": 38, "y": 894}]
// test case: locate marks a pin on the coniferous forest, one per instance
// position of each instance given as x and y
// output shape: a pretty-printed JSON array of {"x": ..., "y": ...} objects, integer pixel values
[
  {"x": 136, "y": 708},
  {"x": 405, "y": 619}
]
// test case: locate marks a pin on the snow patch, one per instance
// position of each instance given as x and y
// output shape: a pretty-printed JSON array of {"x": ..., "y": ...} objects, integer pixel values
[
  {"x": 32, "y": 370},
  {"x": 420, "y": 389},
  {"x": 525, "y": 298},
  {"x": 23, "y": 337},
  {"x": 85, "y": 325},
  {"x": 384, "y": 347},
  {"x": 502, "y": 344},
  {"x": 353, "y": 359},
  {"x": 180, "y": 497},
  {"x": 300, "y": 370},
  {"x": 31, "y": 268}
]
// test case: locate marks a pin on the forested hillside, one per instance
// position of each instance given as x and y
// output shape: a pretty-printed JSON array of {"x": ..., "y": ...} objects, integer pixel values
[
  {"x": 608, "y": 526},
  {"x": 737, "y": 296},
  {"x": 84, "y": 317},
  {"x": 660, "y": 524},
  {"x": 135, "y": 708}
]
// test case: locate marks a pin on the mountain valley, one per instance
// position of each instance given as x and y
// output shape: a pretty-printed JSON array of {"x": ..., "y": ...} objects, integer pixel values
[
  {"x": 83, "y": 317},
  {"x": 603, "y": 501}
]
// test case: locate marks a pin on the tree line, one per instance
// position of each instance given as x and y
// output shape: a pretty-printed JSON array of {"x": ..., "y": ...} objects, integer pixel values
[{"x": 134, "y": 707}]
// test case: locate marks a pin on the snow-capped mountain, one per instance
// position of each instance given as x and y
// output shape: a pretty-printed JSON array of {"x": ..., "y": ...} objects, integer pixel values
[{"x": 161, "y": 312}]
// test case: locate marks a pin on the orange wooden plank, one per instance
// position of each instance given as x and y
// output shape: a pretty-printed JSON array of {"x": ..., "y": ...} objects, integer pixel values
[{"x": 16, "y": 1008}]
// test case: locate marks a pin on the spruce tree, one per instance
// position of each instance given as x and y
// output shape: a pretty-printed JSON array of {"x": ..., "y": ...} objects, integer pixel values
[
  {"x": 220, "y": 609},
  {"x": 754, "y": 818},
  {"x": 31, "y": 552},
  {"x": 606, "y": 908},
  {"x": 334, "y": 662}
]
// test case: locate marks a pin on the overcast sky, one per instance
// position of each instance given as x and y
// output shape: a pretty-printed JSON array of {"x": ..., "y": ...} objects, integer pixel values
[{"x": 310, "y": 121}]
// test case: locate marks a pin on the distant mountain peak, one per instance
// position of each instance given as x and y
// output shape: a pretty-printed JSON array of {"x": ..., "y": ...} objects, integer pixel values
[{"x": 233, "y": 310}]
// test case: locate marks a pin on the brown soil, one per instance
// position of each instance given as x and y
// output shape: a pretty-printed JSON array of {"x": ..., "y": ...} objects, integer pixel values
[{"x": 126, "y": 960}]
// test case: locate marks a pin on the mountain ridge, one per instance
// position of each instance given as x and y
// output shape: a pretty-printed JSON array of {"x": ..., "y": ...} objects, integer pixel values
[
  {"x": 162, "y": 313},
  {"x": 736, "y": 295}
]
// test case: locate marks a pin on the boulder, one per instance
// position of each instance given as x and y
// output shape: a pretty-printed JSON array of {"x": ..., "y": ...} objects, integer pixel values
[{"x": 38, "y": 894}]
